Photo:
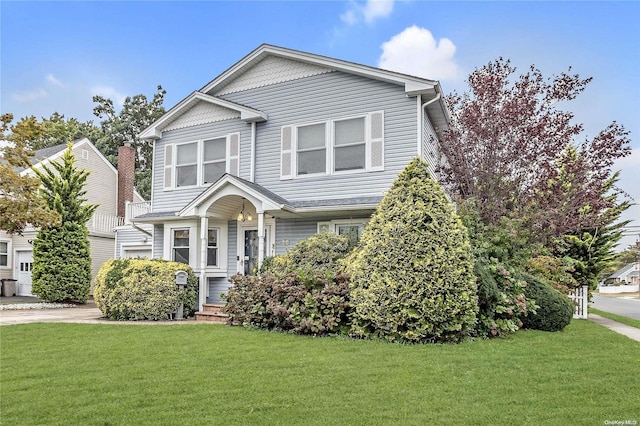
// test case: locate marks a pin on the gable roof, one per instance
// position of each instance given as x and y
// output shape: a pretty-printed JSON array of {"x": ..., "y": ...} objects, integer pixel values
[
  {"x": 246, "y": 114},
  {"x": 624, "y": 271},
  {"x": 412, "y": 85}
]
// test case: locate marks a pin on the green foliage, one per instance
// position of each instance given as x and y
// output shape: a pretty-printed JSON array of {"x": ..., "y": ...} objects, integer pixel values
[
  {"x": 557, "y": 272},
  {"x": 412, "y": 273},
  {"x": 141, "y": 289},
  {"x": 62, "y": 264},
  {"x": 554, "y": 311},
  {"x": 300, "y": 304},
  {"x": 19, "y": 204},
  {"x": 317, "y": 254},
  {"x": 61, "y": 259},
  {"x": 501, "y": 299}
]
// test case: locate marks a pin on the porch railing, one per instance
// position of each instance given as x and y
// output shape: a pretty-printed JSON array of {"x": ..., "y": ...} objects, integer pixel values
[
  {"x": 136, "y": 209},
  {"x": 103, "y": 223}
]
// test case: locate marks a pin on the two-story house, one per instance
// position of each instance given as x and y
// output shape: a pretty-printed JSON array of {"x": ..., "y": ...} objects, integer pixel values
[
  {"x": 111, "y": 189},
  {"x": 282, "y": 145}
]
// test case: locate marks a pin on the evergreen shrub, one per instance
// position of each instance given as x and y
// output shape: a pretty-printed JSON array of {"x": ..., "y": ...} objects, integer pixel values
[
  {"x": 62, "y": 264},
  {"x": 142, "y": 289},
  {"x": 554, "y": 311},
  {"x": 412, "y": 273}
]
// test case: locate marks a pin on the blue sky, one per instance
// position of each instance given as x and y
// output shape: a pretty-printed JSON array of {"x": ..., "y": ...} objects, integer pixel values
[{"x": 56, "y": 55}]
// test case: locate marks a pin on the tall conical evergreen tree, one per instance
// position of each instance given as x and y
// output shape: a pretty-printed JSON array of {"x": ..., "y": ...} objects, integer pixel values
[
  {"x": 412, "y": 273},
  {"x": 61, "y": 258}
]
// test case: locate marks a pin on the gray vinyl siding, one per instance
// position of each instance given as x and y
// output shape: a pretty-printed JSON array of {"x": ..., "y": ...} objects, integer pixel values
[
  {"x": 290, "y": 231},
  {"x": 158, "y": 241},
  {"x": 430, "y": 146},
  {"x": 216, "y": 286},
  {"x": 324, "y": 97},
  {"x": 128, "y": 236},
  {"x": 101, "y": 249},
  {"x": 232, "y": 252},
  {"x": 175, "y": 199}
]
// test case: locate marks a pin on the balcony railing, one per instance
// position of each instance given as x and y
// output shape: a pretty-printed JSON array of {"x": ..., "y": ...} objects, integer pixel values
[
  {"x": 136, "y": 209},
  {"x": 102, "y": 223}
]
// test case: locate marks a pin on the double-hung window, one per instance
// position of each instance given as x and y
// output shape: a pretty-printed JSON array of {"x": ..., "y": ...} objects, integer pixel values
[
  {"x": 341, "y": 145},
  {"x": 349, "y": 145},
  {"x": 4, "y": 253},
  {"x": 212, "y": 247},
  {"x": 187, "y": 164},
  {"x": 350, "y": 228},
  {"x": 201, "y": 162},
  {"x": 214, "y": 161},
  {"x": 311, "y": 149},
  {"x": 180, "y": 244}
]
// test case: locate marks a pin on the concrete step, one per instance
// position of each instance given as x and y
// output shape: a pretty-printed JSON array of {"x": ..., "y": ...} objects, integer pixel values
[{"x": 215, "y": 317}]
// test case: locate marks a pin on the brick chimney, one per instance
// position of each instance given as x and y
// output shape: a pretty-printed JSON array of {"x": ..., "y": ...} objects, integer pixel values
[{"x": 126, "y": 174}]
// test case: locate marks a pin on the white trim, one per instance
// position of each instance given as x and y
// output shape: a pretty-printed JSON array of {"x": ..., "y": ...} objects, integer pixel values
[
  {"x": 269, "y": 239},
  {"x": 8, "y": 253},
  {"x": 136, "y": 246},
  {"x": 247, "y": 114},
  {"x": 333, "y": 224},
  {"x": 412, "y": 85}
]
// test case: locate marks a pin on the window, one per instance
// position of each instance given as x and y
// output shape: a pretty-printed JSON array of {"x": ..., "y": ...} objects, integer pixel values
[
  {"x": 201, "y": 162},
  {"x": 311, "y": 149},
  {"x": 212, "y": 247},
  {"x": 187, "y": 164},
  {"x": 342, "y": 145},
  {"x": 351, "y": 228},
  {"x": 181, "y": 245},
  {"x": 214, "y": 159},
  {"x": 4, "y": 253},
  {"x": 349, "y": 145}
]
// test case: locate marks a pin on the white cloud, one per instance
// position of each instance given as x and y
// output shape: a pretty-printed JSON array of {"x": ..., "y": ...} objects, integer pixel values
[
  {"x": 30, "y": 95},
  {"x": 53, "y": 80},
  {"x": 415, "y": 51},
  {"x": 109, "y": 92},
  {"x": 368, "y": 12}
]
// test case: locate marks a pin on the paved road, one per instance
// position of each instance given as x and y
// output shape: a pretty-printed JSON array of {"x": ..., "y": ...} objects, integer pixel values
[{"x": 626, "y": 307}]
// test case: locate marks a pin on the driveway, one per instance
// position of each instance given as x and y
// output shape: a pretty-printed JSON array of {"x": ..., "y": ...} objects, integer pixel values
[{"x": 624, "y": 306}]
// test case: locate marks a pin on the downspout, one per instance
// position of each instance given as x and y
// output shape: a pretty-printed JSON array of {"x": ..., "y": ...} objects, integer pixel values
[
  {"x": 253, "y": 152},
  {"x": 422, "y": 112}
]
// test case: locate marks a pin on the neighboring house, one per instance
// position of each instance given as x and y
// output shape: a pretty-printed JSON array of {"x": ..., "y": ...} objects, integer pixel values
[
  {"x": 627, "y": 275},
  {"x": 102, "y": 187},
  {"x": 282, "y": 145}
]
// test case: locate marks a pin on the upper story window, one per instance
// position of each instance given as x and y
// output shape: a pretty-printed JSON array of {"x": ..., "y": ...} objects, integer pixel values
[
  {"x": 341, "y": 145},
  {"x": 201, "y": 162}
]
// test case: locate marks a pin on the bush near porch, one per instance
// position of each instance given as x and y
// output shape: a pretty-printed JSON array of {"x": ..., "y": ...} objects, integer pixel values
[{"x": 141, "y": 289}]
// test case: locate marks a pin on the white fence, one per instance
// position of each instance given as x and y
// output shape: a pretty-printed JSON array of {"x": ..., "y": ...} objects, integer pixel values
[
  {"x": 580, "y": 297},
  {"x": 619, "y": 289}
]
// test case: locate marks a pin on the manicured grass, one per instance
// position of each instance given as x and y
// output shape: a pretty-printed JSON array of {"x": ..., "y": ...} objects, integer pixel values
[
  {"x": 63, "y": 374},
  {"x": 624, "y": 320}
]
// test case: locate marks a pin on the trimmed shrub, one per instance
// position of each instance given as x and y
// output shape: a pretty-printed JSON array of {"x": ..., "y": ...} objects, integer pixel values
[
  {"x": 305, "y": 305},
  {"x": 412, "y": 272},
  {"x": 317, "y": 254},
  {"x": 141, "y": 289},
  {"x": 61, "y": 264},
  {"x": 501, "y": 299},
  {"x": 554, "y": 311}
]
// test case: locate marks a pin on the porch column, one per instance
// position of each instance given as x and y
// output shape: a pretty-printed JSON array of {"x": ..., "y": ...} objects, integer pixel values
[
  {"x": 204, "y": 227},
  {"x": 260, "y": 238}
]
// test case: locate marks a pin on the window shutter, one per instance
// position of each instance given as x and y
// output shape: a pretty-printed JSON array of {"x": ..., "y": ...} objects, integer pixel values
[
  {"x": 234, "y": 154},
  {"x": 376, "y": 140},
  {"x": 286, "y": 153},
  {"x": 168, "y": 167}
]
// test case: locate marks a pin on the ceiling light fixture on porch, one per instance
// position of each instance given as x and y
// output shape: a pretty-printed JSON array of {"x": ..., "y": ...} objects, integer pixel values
[{"x": 244, "y": 216}]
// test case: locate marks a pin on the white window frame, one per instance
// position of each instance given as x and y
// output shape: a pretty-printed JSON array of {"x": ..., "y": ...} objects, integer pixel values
[
  {"x": 332, "y": 226},
  {"x": 217, "y": 247},
  {"x": 172, "y": 166},
  {"x": 172, "y": 247},
  {"x": 7, "y": 254},
  {"x": 330, "y": 147}
]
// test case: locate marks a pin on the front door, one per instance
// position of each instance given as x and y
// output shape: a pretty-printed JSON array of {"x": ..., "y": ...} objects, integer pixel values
[
  {"x": 24, "y": 265},
  {"x": 250, "y": 251}
]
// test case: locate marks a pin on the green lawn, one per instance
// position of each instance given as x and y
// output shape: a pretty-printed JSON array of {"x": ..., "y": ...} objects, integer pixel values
[
  {"x": 68, "y": 374},
  {"x": 624, "y": 320}
]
